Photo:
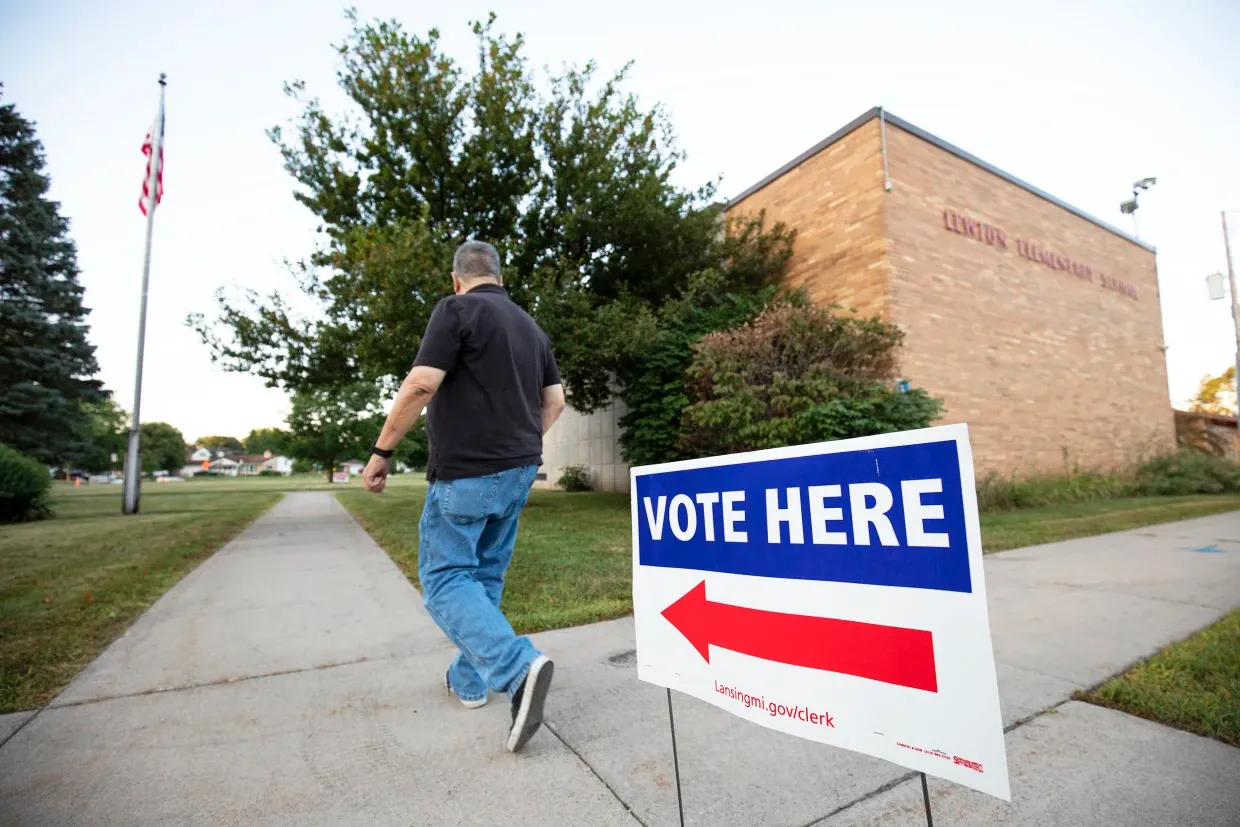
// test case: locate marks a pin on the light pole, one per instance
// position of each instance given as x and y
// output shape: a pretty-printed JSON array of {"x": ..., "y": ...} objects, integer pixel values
[
  {"x": 1129, "y": 207},
  {"x": 1215, "y": 283}
]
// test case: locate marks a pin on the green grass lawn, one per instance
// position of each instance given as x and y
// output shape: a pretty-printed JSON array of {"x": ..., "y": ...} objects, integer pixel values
[
  {"x": 1192, "y": 685},
  {"x": 71, "y": 585},
  {"x": 1033, "y": 526},
  {"x": 574, "y": 559},
  {"x": 573, "y": 562},
  {"x": 295, "y": 482}
]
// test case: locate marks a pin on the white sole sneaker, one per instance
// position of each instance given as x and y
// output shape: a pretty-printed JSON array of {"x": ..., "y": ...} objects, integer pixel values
[
  {"x": 527, "y": 707},
  {"x": 467, "y": 704}
]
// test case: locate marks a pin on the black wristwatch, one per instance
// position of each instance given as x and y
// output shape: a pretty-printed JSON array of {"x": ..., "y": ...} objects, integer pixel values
[{"x": 379, "y": 452}]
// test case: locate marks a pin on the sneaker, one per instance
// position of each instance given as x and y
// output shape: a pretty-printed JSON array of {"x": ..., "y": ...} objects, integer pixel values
[
  {"x": 527, "y": 703},
  {"x": 467, "y": 704}
]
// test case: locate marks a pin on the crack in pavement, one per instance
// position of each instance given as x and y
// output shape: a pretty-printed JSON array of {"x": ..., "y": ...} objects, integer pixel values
[
  {"x": 219, "y": 682},
  {"x": 20, "y": 726},
  {"x": 1095, "y": 589},
  {"x": 595, "y": 773}
]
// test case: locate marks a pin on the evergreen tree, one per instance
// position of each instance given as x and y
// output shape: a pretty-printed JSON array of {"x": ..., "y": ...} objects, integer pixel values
[{"x": 46, "y": 364}]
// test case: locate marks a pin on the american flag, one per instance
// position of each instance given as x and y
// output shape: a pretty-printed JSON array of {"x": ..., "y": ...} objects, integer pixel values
[{"x": 154, "y": 137}]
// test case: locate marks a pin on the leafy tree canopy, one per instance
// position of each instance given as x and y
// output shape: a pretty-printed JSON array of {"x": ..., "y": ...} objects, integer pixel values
[
  {"x": 1217, "y": 394},
  {"x": 216, "y": 443},
  {"x": 261, "y": 440},
  {"x": 163, "y": 447},
  {"x": 104, "y": 436},
  {"x": 330, "y": 426},
  {"x": 570, "y": 178}
]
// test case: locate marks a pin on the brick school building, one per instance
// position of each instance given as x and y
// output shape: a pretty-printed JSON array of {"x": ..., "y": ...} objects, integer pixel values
[{"x": 1037, "y": 324}]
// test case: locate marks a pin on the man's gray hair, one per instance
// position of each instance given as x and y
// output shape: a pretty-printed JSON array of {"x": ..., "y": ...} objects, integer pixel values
[{"x": 476, "y": 260}]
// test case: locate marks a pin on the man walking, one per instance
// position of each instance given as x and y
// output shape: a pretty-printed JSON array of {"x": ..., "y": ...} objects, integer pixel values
[{"x": 487, "y": 378}]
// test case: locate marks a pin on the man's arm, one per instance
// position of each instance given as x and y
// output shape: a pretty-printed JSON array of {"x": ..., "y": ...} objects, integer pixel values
[
  {"x": 414, "y": 394},
  {"x": 552, "y": 405}
]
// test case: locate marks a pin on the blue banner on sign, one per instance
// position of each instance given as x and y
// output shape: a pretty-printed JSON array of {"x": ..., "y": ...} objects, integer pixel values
[{"x": 883, "y": 516}]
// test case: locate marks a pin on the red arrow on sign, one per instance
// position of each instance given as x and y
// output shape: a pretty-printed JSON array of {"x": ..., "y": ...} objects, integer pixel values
[{"x": 890, "y": 654}]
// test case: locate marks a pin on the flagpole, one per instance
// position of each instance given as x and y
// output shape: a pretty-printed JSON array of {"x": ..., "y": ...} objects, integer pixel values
[{"x": 133, "y": 458}]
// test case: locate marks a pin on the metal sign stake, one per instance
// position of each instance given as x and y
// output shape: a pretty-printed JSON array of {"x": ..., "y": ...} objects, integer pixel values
[
  {"x": 680, "y": 804},
  {"x": 925, "y": 794}
]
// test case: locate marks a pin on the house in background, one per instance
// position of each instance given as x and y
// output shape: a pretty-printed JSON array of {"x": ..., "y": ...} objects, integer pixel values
[
  {"x": 250, "y": 465},
  {"x": 225, "y": 467},
  {"x": 231, "y": 464},
  {"x": 353, "y": 466},
  {"x": 195, "y": 456},
  {"x": 279, "y": 464}
]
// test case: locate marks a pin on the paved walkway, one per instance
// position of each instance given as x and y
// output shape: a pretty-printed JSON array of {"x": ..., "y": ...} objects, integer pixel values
[{"x": 294, "y": 679}]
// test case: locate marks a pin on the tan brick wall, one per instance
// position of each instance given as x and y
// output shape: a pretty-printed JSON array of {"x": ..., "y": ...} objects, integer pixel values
[
  {"x": 834, "y": 200},
  {"x": 1036, "y": 360},
  {"x": 590, "y": 440}
]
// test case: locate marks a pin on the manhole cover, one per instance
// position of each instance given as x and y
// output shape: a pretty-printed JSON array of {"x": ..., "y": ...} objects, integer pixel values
[{"x": 628, "y": 658}]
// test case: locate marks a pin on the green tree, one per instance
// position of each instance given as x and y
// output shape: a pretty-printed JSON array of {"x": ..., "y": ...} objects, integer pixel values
[
  {"x": 1212, "y": 395},
  {"x": 103, "y": 436},
  {"x": 217, "y": 443},
  {"x": 46, "y": 364},
  {"x": 330, "y": 426},
  {"x": 573, "y": 185},
  {"x": 798, "y": 375},
  {"x": 260, "y": 440},
  {"x": 163, "y": 447},
  {"x": 414, "y": 449}
]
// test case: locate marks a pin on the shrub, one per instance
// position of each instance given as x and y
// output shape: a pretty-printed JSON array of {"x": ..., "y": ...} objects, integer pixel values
[
  {"x": 267, "y": 472},
  {"x": 1188, "y": 472},
  {"x": 995, "y": 493},
  {"x": 575, "y": 478},
  {"x": 796, "y": 375},
  {"x": 654, "y": 386},
  {"x": 24, "y": 485}
]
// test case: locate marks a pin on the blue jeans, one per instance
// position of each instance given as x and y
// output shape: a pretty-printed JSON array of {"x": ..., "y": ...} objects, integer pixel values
[{"x": 466, "y": 536}]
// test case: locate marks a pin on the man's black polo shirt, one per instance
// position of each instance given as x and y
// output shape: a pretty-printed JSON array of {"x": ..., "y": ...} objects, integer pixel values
[{"x": 486, "y": 417}]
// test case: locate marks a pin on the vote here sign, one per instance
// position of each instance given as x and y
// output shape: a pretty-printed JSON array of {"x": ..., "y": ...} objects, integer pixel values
[{"x": 830, "y": 591}]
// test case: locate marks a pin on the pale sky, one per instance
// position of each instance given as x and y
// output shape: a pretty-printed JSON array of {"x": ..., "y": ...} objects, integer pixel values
[{"x": 1077, "y": 98}]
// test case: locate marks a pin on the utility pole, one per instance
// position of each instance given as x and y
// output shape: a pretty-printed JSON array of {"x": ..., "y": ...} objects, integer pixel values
[{"x": 1235, "y": 319}]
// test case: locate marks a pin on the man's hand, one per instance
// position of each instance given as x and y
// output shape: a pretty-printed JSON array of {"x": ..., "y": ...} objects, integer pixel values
[
  {"x": 414, "y": 394},
  {"x": 376, "y": 474}
]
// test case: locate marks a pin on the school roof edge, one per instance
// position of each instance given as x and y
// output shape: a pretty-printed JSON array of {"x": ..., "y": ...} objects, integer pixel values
[{"x": 946, "y": 147}]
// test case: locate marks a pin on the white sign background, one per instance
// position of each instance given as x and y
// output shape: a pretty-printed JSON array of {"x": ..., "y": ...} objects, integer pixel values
[{"x": 950, "y": 733}]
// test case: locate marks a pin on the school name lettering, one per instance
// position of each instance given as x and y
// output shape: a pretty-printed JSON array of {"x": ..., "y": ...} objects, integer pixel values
[
  {"x": 996, "y": 237},
  {"x": 720, "y": 516}
]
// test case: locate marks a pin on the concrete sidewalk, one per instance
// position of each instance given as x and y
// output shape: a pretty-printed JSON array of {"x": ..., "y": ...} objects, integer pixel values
[{"x": 294, "y": 678}]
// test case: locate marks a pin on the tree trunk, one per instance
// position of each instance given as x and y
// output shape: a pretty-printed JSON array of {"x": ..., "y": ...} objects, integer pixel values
[{"x": 331, "y": 469}]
